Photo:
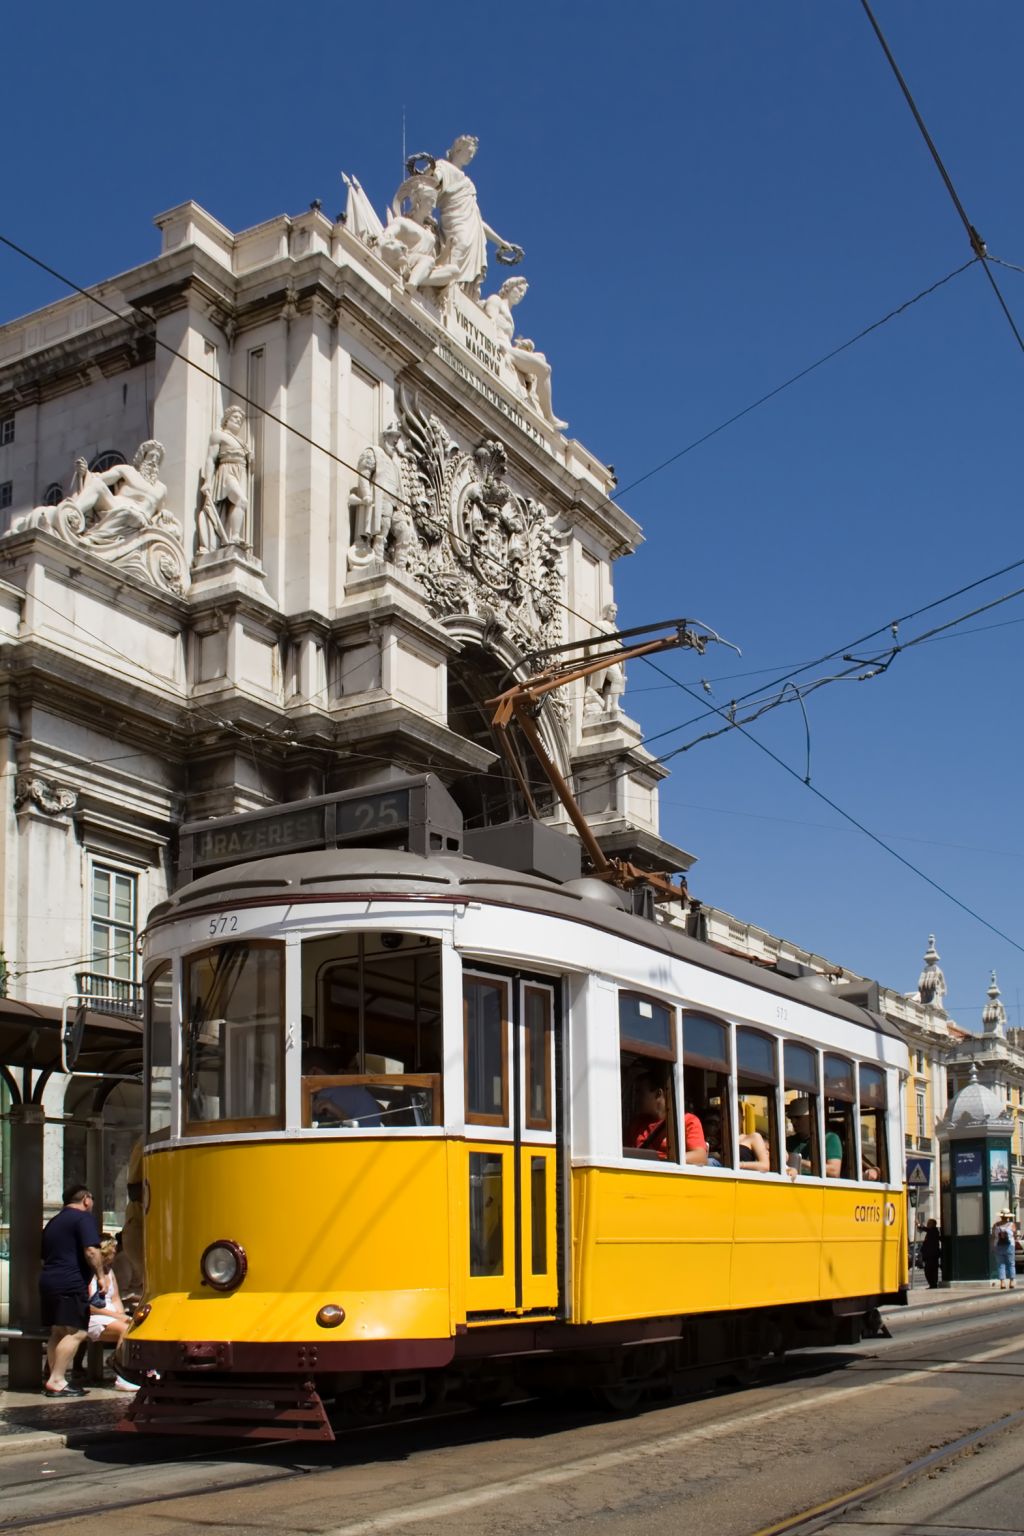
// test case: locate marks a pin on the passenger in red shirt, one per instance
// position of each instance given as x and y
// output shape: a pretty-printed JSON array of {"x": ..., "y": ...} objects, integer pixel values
[{"x": 648, "y": 1128}]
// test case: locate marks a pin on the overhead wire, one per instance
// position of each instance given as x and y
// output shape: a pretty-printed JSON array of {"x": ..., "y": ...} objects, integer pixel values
[
  {"x": 853, "y": 673},
  {"x": 976, "y": 242},
  {"x": 861, "y": 827},
  {"x": 795, "y": 378}
]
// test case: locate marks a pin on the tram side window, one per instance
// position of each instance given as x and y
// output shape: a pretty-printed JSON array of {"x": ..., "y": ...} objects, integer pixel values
[
  {"x": 756, "y": 1101},
  {"x": 647, "y": 1055},
  {"x": 874, "y": 1159},
  {"x": 234, "y": 1037},
  {"x": 800, "y": 1080},
  {"x": 371, "y": 1025},
  {"x": 706, "y": 1084},
  {"x": 840, "y": 1107},
  {"x": 158, "y": 1051}
]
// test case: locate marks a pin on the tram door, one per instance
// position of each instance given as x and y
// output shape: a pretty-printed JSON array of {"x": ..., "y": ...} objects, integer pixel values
[{"x": 511, "y": 1140}]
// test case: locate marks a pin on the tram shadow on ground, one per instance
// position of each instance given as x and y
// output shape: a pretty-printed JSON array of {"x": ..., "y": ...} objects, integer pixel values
[{"x": 459, "y": 1424}]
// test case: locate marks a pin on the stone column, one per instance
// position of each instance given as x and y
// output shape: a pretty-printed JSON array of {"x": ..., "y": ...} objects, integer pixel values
[{"x": 26, "y": 1124}]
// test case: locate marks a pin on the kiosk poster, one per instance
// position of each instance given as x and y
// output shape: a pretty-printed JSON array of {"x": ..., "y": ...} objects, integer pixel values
[
  {"x": 968, "y": 1169},
  {"x": 998, "y": 1166}
]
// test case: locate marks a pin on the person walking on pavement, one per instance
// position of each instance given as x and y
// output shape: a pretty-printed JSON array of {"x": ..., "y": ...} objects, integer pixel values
[
  {"x": 71, "y": 1256},
  {"x": 931, "y": 1247}
]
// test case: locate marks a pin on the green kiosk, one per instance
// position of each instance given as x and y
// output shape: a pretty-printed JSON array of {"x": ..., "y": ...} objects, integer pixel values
[{"x": 974, "y": 1157}]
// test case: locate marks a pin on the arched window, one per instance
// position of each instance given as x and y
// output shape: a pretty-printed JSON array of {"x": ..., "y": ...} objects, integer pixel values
[
  {"x": 647, "y": 1053},
  {"x": 873, "y": 1151},
  {"x": 491, "y": 796},
  {"x": 107, "y": 459},
  {"x": 706, "y": 1083},
  {"x": 800, "y": 1082},
  {"x": 840, "y": 1106},
  {"x": 756, "y": 1097},
  {"x": 53, "y": 495}
]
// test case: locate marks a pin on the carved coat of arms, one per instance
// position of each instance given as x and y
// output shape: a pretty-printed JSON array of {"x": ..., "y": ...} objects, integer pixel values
[{"x": 472, "y": 543}]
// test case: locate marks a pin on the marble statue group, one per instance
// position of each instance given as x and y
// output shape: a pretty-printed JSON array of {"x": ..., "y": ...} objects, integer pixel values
[{"x": 436, "y": 240}]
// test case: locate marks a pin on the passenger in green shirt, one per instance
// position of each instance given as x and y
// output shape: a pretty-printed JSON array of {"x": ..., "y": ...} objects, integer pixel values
[{"x": 800, "y": 1143}]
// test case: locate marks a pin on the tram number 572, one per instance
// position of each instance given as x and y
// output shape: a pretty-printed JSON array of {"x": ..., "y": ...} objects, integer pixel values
[{"x": 226, "y": 923}]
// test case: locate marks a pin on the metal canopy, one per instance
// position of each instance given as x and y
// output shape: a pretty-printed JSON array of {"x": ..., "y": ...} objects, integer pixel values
[{"x": 30, "y": 1035}]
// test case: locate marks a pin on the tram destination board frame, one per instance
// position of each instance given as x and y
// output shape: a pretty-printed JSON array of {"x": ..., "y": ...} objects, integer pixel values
[{"x": 415, "y": 814}]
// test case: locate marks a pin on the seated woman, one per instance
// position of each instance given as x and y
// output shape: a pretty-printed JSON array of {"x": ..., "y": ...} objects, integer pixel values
[
  {"x": 108, "y": 1320},
  {"x": 754, "y": 1153},
  {"x": 648, "y": 1129}
]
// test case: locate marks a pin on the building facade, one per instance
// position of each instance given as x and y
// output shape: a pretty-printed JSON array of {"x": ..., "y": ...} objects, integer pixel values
[{"x": 279, "y": 512}]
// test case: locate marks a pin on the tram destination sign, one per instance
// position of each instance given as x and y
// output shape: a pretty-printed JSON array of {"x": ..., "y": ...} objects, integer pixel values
[
  {"x": 283, "y": 832},
  {"x": 416, "y": 813}
]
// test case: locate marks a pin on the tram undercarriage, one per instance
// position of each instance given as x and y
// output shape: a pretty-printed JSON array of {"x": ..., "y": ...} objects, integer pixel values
[{"x": 617, "y": 1365}]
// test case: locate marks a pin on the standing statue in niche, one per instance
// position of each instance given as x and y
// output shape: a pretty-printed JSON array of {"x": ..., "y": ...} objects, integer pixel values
[
  {"x": 463, "y": 257},
  {"x": 224, "y": 487},
  {"x": 605, "y": 688},
  {"x": 532, "y": 369},
  {"x": 376, "y": 504}
]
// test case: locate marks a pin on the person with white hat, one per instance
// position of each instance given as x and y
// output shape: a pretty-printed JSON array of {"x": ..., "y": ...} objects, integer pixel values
[{"x": 1004, "y": 1240}]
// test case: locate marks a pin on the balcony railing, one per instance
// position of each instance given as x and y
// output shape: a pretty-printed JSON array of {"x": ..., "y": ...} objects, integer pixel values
[{"x": 110, "y": 994}]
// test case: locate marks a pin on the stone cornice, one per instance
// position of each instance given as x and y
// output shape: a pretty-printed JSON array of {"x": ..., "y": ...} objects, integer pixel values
[
  {"x": 182, "y": 277},
  {"x": 111, "y": 348},
  {"x": 121, "y": 589},
  {"x": 214, "y": 611}
]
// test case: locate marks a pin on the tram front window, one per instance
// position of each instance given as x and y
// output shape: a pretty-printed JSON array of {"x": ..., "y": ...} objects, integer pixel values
[
  {"x": 234, "y": 1038},
  {"x": 158, "y": 1050},
  {"x": 371, "y": 1025}
]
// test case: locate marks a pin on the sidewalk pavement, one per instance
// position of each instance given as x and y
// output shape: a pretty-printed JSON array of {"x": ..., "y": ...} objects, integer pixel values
[{"x": 29, "y": 1422}]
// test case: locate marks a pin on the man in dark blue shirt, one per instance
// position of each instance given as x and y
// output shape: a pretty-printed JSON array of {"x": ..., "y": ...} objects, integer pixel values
[{"x": 71, "y": 1256}]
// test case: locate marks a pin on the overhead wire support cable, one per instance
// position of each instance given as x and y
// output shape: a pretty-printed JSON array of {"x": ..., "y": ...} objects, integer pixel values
[
  {"x": 846, "y": 815},
  {"x": 977, "y": 243},
  {"x": 796, "y": 377}
]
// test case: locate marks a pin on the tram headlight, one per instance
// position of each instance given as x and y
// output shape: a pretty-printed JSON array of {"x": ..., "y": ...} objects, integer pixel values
[{"x": 223, "y": 1265}]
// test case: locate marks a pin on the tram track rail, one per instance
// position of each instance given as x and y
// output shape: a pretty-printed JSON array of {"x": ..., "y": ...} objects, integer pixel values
[
  {"x": 876, "y": 1368},
  {"x": 821, "y": 1516}
]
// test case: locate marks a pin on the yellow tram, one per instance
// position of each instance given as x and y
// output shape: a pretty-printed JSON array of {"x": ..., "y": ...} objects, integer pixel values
[{"x": 390, "y": 1143}]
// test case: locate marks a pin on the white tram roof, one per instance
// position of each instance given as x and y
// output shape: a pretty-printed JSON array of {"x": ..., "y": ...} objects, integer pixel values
[{"x": 371, "y": 872}]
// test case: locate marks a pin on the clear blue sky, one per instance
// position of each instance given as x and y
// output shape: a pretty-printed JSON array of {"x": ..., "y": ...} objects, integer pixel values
[{"x": 711, "y": 195}]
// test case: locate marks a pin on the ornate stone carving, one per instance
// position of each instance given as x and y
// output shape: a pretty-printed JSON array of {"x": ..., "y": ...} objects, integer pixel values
[
  {"x": 464, "y": 234},
  {"x": 47, "y": 795},
  {"x": 118, "y": 514},
  {"x": 472, "y": 544},
  {"x": 224, "y": 486},
  {"x": 604, "y": 688},
  {"x": 529, "y": 370}
]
